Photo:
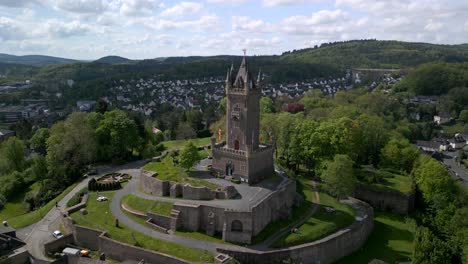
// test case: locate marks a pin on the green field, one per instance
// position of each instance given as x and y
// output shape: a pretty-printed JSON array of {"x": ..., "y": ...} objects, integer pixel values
[
  {"x": 390, "y": 181},
  {"x": 30, "y": 218},
  {"x": 100, "y": 217},
  {"x": 16, "y": 206},
  {"x": 168, "y": 171},
  {"x": 144, "y": 205},
  {"x": 320, "y": 224},
  {"x": 177, "y": 144},
  {"x": 391, "y": 241},
  {"x": 304, "y": 188}
]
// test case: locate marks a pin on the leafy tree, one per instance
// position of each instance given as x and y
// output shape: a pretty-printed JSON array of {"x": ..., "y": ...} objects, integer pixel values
[
  {"x": 266, "y": 105},
  {"x": 117, "y": 135},
  {"x": 463, "y": 116},
  {"x": 39, "y": 168},
  {"x": 185, "y": 131},
  {"x": 338, "y": 176},
  {"x": 189, "y": 155},
  {"x": 399, "y": 154},
  {"x": 38, "y": 142},
  {"x": 370, "y": 136},
  {"x": 12, "y": 153},
  {"x": 429, "y": 248},
  {"x": 3, "y": 201}
]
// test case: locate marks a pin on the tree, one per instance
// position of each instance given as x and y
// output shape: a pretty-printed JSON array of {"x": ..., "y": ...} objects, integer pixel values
[
  {"x": 189, "y": 155},
  {"x": 117, "y": 135},
  {"x": 266, "y": 105},
  {"x": 12, "y": 153},
  {"x": 370, "y": 136},
  {"x": 185, "y": 131},
  {"x": 399, "y": 154},
  {"x": 429, "y": 248},
  {"x": 38, "y": 142},
  {"x": 463, "y": 116},
  {"x": 338, "y": 176}
]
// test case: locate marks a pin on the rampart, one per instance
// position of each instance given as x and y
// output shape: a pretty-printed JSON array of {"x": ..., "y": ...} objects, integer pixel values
[
  {"x": 386, "y": 200},
  {"x": 323, "y": 251}
]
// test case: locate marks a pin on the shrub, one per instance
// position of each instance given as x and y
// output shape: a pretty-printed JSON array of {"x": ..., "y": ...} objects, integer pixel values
[
  {"x": 2, "y": 201},
  {"x": 236, "y": 181}
]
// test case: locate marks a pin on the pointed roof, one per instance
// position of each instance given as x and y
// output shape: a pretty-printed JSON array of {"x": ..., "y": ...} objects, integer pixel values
[{"x": 243, "y": 76}]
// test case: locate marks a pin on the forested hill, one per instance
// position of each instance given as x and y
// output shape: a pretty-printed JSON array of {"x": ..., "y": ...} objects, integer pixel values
[
  {"x": 327, "y": 60},
  {"x": 34, "y": 60},
  {"x": 378, "y": 54}
]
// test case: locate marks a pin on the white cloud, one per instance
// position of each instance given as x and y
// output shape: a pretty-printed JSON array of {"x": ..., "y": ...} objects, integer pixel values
[
  {"x": 226, "y": 1},
  {"x": 182, "y": 9},
  {"x": 433, "y": 26},
  {"x": 81, "y": 6},
  {"x": 271, "y": 3},
  {"x": 139, "y": 7},
  {"x": 10, "y": 29},
  {"x": 466, "y": 26},
  {"x": 58, "y": 29},
  {"x": 321, "y": 22},
  {"x": 208, "y": 22},
  {"x": 17, "y": 3},
  {"x": 248, "y": 24}
]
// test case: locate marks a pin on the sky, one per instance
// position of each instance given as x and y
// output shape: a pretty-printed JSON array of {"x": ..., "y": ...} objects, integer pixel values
[{"x": 144, "y": 29}]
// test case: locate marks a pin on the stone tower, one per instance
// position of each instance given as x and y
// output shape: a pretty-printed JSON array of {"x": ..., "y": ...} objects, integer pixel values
[{"x": 242, "y": 156}]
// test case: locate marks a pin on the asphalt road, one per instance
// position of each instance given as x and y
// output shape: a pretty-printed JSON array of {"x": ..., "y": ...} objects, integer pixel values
[
  {"x": 36, "y": 235},
  {"x": 457, "y": 171}
]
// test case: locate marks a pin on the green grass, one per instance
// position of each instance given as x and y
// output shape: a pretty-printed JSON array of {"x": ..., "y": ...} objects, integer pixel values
[
  {"x": 168, "y": 171},
  {"x": 391, "y": 181},
  {"x": 201, "y": 236},
  {"x": 177, "y": 144},
  {"x": 100, "y": 217},
  {"x": 305, "y": 189},
  {"x": 320, "y": 224},
  {"x": 34, "y": 216},
  {"x": 16, "y": 206},
  {"x": 391, "y": 241},
  {"x": 144, "y": 206}
]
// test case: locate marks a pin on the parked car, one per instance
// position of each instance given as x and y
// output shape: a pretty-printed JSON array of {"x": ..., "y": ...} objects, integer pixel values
[
  {"x": 101, "y": 199},
  {"x": 57, "y": 234}
]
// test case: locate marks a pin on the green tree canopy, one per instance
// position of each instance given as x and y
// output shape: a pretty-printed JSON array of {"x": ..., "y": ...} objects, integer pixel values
[
  {"x": 12, "y": 155},
  {"x": 189, "y": 155},
  {"x": 38, "y": 142},
  {"x": 399, "y": 154},
  {"x": 338, "y": 176}
]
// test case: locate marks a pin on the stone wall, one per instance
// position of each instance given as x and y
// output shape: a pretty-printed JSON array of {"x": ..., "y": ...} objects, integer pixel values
[
  {"x": 58, "y": 244},
  {"x": 77, "y": 207},
  {"x": 87, "y": 237},
  {"x": 392, "y": 201},
  {"x": 121, "y": 252},
  {"x": 323, "y": 251},
  {"x": 160, "y": 220},
  {"x": 196, "y": 193},
  {"x": 152, "y": 185},
  {"x": 277, "y": 205}
]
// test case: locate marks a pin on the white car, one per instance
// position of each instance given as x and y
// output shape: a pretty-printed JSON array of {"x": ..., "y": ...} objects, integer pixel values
[
  {"x": 57, "y": 234},
  {"x": 101, "y": 199}
]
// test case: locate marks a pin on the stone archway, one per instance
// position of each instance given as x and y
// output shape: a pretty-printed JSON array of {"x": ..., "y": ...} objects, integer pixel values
[
  {"x": 229, "y": 169},
  {"x": 236, "y": 144},
  {"x": 236, "y": 226}
]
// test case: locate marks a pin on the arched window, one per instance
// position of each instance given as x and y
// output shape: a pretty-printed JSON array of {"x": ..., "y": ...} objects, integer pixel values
[
  {"x": 236, "y": 144},
  {"x": 236, "y": 226}
]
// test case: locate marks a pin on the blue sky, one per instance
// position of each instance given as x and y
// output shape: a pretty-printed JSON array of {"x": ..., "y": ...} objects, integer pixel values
[{"x": 138, "y": 29}]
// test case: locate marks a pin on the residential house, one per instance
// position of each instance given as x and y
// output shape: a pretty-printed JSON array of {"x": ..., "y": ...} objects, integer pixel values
[{"x": 442, "y": 118}]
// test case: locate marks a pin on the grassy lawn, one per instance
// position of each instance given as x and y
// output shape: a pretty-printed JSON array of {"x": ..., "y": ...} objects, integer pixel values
[
  {"x": 391, "y": 181},
  {"x": 34, "y": 216},
  {"x": 168, "y": 171},
  {"x": 177, "y": 144},
  {"x": 15, "y": 205},
  {"x": 391, "y": 241},
  {"x": 201, "y": 236},
  {"x": 143, "y": 205},
  {"x": 321, "y": 223},
  {"x": 305, "y": 189},
  {"x": 100, "y": 217}
]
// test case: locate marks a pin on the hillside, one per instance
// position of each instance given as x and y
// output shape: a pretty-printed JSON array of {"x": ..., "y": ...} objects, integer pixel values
[
  {"x": 113, "y": 60},
  {"x": 378, "y": 54},
  {"x": 35, "y": 60}
]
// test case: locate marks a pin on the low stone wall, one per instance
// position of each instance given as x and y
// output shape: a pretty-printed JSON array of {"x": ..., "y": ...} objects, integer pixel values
[
  {"x": 323, "y": 251},
  {"x": 121, "y": 252},
  {"x": 160, "y": 222},
  {"x": 87, "y": 237},
  {"x": 152, "y": 185},
  {"x": 392, "y": 201},
  {"x": 196, "y": 193},
  {"x": 77, "y": 207},
  {"x": 58, "y": 244},
  {"x": 98, "y": 241}
]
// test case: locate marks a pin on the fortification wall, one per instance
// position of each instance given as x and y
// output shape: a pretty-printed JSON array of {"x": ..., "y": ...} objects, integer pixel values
[
  {"x": 160, "y": 220},
  {"x": 152, "y": 185},
  {"x": 323, "y": 251},
  {"x": 59, "y": 244},
  {"x": 87, "y": 237},
  {"x": 196, "y": 193},
  {"x": 386, "y": 200}
]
